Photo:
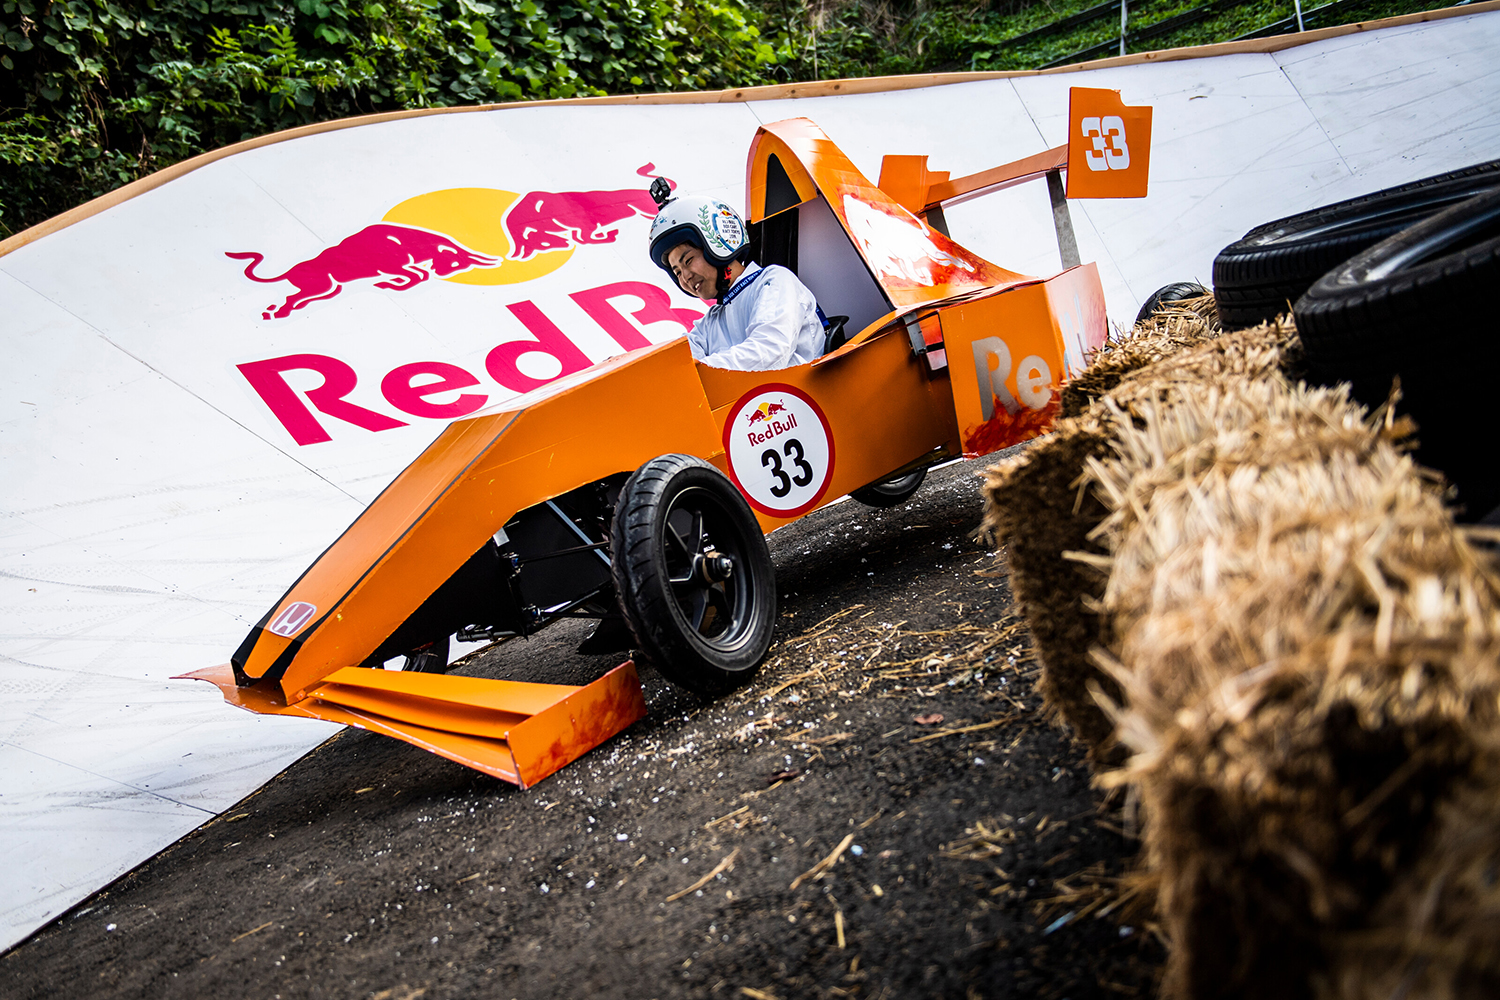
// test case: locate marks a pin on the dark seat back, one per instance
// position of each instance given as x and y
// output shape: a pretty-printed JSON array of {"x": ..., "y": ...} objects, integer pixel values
[{"x": 834, "y": 334}]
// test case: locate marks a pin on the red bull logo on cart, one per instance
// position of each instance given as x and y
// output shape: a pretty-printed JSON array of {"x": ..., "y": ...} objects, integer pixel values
[
  {"x": 763, "y": 412},
  {"x": 476, "y": 236}
]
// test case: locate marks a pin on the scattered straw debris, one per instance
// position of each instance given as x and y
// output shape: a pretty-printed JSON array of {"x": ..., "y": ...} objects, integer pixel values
[
  {"x": 253, "y": 930},
  {"x": 725, "y": 865},
  {"x": 726, "y": 819},
  {"x": 984, "y": 840},
  {"x": 977, "y": 727},
  {"x": 818, "y": 870}
]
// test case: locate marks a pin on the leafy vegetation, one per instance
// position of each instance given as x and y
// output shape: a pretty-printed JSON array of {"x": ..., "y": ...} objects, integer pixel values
[{"x": 96, "y": 93}]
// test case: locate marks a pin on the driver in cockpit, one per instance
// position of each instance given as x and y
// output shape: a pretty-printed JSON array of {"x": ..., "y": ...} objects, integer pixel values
[{"x": 763, "y": 317}]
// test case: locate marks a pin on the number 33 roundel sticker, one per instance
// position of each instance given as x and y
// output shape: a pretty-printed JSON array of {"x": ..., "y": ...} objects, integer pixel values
[{"x": 780, "y": 450}]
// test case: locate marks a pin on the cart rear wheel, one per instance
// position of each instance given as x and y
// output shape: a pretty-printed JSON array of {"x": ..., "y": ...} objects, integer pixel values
[
  {"x": 1165, "y": 296},
  {"x": 891, "y": 491},
  {"x": 693, "y": 574}
]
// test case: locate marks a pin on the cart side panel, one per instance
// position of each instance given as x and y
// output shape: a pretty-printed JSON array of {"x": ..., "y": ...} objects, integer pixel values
[
  {"x": 1010, "y": 352},
  {"x": 881, "y": 406}
]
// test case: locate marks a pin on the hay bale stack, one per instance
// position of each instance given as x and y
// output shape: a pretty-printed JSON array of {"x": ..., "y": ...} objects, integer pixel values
[
  {"x": 1035, "y": 506},
  {"x": 1172, "y": 329},
  {"x": 1306, "y": 652},
  {"x": 1299, "y": 656}
]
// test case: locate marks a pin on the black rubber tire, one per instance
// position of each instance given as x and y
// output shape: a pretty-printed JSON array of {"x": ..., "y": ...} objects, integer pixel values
[
  {"x": 1175, "y": 292},
  {"x": 892, "y": 490},
  {"x": 1420, "y": 306},
  {"x": 430, "y": 659},
  {"x": 1274, "y": 264},
  {"x": 658, "y": 562}
]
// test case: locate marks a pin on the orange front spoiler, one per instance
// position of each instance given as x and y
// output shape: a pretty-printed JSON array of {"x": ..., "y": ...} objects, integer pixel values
[{"x": 516, "y": 731}]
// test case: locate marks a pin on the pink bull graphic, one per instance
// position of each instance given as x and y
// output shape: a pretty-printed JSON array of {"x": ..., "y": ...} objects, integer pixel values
[
  {"x": 403, "y": 256},
  {"x": 558, "y": 220},
  {"x": 549, "y": 220}
]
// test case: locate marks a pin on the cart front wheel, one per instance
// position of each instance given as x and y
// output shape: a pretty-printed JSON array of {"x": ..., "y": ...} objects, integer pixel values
[{"x": 693, "y": 574}]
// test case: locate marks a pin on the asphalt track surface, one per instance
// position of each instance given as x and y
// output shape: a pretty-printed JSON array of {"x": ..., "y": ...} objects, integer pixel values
[{"x": 966, "y": 862}]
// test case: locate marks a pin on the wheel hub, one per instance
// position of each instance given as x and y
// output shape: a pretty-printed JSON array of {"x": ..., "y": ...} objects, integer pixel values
[{"x": 714, "y": 566}]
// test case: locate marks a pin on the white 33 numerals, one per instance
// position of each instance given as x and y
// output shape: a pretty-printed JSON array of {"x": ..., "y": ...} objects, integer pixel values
[{"x": 1110, "y": 151}]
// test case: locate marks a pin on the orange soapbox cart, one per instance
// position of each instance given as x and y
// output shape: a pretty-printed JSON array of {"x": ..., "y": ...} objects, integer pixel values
[{"x": 641, "y": 488}]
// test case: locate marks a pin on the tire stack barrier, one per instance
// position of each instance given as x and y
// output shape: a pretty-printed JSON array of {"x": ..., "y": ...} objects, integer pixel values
[
  {"x": 1296, "y": 658},
  {"x": 1262, "y": 274}
]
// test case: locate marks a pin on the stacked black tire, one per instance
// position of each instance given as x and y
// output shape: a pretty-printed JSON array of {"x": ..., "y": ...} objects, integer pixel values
[
  {"x": 1259, "y": 277},
  {"x": 1407, "y": 289}
]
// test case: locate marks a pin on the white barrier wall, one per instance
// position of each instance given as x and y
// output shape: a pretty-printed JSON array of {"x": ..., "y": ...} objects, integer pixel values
[{"x": 172, "y": 459}]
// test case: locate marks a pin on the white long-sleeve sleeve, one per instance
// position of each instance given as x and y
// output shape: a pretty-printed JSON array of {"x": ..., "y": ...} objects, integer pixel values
[{"x": 773, "y": 323}]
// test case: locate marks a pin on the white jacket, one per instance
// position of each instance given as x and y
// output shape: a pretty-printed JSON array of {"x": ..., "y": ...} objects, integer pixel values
[{"x": 770, "y": 320}]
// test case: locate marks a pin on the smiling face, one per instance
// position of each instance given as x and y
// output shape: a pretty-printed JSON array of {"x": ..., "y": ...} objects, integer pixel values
[{"x": 695, "y": 274}]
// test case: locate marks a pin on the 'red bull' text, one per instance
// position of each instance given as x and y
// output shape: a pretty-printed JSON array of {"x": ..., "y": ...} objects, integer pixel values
[
  {"x": 773, "y": 428},
  {"x": 413, "y": 389}
]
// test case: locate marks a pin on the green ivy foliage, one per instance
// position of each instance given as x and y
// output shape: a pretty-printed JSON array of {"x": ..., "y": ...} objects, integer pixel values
[{"x": 94, "y": 94}]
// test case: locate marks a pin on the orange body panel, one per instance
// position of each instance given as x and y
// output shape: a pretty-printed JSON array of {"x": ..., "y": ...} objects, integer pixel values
[
  {"x": 1010, "y": 353},
  {"x": 882, "y": 409},
  {"x": 468, "y": 484},
  {"x": 913, "y": 263},
  {"x": 907, "y": 180}
]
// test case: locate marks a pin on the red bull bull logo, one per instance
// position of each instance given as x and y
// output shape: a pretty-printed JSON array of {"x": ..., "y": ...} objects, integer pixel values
[
  {"x": 765, "y": 411},
  {"x": 549, "y": 220},
  {"x": 401, "y": 257},
  {"x": 481, "y": 236}
]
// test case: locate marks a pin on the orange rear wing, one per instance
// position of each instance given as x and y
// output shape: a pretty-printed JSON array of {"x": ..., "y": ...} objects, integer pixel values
[
  {"x": 1109, "y": 145},
  {"x": 1107, "y": 155}
]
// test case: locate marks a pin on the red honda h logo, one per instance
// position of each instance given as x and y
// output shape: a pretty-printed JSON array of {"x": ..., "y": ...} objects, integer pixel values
[{"x": 290, "y": 621}]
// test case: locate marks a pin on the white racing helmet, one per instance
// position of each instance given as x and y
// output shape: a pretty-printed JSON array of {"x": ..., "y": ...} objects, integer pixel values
[{"x": 707, "y": 223}]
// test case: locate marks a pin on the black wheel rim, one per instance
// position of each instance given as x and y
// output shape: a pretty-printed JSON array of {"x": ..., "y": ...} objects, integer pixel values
[{"x": 700, "y": 540}]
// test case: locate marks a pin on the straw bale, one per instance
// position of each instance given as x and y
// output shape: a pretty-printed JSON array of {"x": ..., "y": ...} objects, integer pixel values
[
  {"x": 1297, "y": 652},
  {"x": 1438, "y": 945},
  {"x": 1175, "y": 327},
  {"x": 1033, "y": 505},
  {"x": 1305, "y": 651}
]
